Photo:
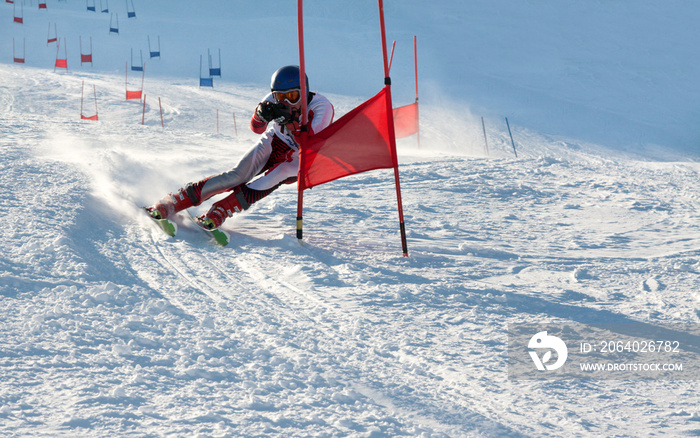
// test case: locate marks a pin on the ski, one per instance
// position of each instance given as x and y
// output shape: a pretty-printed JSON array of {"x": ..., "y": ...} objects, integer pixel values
[
  {"x": 217, "y": 235},
  {"x": 168, "y": 226}
]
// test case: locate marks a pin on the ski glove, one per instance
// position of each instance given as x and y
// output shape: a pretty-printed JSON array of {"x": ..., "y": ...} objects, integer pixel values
[
  {"x": 268, "y": 111},
  {"x": 283, "y": 114},
  {"x": 265, "y": 111}
]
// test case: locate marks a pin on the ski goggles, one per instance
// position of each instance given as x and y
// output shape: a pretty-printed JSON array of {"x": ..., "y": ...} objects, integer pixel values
[{"x": 291, "y": 96}]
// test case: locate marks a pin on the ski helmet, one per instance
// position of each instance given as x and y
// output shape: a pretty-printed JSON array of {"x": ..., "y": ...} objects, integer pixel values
[{"x": 287, "y": 78}]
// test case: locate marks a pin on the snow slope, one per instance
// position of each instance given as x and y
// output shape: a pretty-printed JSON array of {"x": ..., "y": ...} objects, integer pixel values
[{"x": 110, "y": 328}]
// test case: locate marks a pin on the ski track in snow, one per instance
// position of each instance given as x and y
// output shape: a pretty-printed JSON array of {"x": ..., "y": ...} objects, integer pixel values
[
  {"x": 110, "y": 328},
  {"x": 114, "y": 328}
]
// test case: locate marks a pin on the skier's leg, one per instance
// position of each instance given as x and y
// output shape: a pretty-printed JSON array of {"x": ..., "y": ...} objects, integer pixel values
[
  {"x": 194, "y": 194},
  {"x": 242, "y": 198},
  {"x": 252, "y": 163},
  {"x": 182, "y": 199},
  {"x": 220, "y": 210},
  {"x": 253, "y": 195}
]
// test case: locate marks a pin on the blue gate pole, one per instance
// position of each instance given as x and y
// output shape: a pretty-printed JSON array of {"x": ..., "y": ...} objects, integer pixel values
[{"x": 511, "y": 138}]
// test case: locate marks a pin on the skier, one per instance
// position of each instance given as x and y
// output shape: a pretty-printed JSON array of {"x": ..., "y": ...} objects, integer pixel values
[{"x": 276, "y": 155}]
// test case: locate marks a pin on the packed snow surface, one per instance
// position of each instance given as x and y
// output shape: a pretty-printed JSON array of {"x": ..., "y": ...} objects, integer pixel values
[{"x": 110, "y": 328}]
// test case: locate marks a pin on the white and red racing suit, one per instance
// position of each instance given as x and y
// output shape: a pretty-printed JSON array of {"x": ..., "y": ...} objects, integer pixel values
[
  {"x": 275, "y": 157},
  {"x": 276, "y": 154}
]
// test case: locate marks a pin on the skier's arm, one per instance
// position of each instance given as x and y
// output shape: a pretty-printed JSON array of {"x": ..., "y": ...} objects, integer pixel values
[
  {"x": 321, "y": 114},
  {"x": 258, "y": 123},
  {"x": 263, "y": 114}
]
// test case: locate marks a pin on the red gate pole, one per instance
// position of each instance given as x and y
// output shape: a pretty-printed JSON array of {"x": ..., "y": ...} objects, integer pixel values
[
  {"x": 392, "y": 134},
  {"x": 415, "y": 58},
  {"x": 58, "y": 44},
  {"x": 143, "y": 75},
  {"x": 82, "y": 87},
  {"x": 304, "y": 120},
  {"x": 391, "y": 58},
  {"x": 143, "y": 113},
  {"x": 94, "y": 90}
]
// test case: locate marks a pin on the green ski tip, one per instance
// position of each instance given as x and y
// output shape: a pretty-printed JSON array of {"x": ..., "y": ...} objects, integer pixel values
[
  {"x": 221, "y": 237},
  {"x": 169, "y": 227}
]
